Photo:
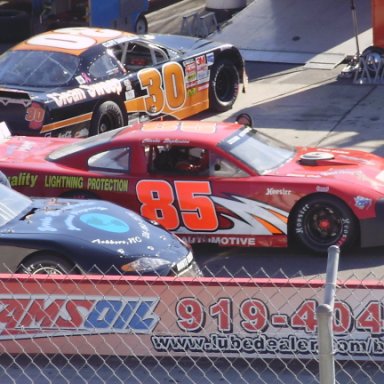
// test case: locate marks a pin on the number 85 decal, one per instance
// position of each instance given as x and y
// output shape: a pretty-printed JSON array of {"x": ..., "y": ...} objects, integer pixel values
[{"x": 196, "y": 209}]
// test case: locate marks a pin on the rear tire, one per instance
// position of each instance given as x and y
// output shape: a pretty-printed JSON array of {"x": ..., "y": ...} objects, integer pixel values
[
  {"x": 224, "y": 85},
  {"x": 108, "y": 116}
]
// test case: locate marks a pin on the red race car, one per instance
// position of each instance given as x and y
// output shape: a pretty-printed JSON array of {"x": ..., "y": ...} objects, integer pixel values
[{"x": 214, "y": 182}]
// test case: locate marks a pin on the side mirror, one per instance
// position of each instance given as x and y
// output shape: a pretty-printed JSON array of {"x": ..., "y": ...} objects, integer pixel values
[{"x": 244, "y": 119}]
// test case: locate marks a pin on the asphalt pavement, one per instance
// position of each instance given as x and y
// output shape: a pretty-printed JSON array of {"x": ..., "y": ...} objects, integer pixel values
[{"x": 299, "y": 104}]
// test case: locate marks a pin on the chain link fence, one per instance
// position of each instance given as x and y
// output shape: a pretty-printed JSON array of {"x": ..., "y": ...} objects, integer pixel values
[{"x": 97, "y": 329}]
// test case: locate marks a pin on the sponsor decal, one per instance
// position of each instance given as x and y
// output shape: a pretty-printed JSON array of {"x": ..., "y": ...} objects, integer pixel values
[
  {"x": 362, "y": 202},
  {"x": 129, "y": 95},
  {"x": 191, "y": 91},
  {"x": 63, "y": 182},
  {"x": 210, "y": 58},
  {"x": 72, "y": 96},
  {"x": 257, "y": 329},
  {"x": 275, "y": 191},
  {"x": 129, "y": 241},
  {"x": 80, "y": 80},
  {"x": 31, "y": 316},
  {"x": 68, "y": 97},
  {"x": 201, "y": 61},
  {"x": 23, "y": 179},
  {"x": 112, "y": 185},
  {"x": 35, "y": 115},
  {"x": 26, "y": 179},
  {"x": 236, "y": 323},
  {"x": 222, "y": 241},
  {"x": 105, "y": 222},
  {"x": 52, "y": 211}
]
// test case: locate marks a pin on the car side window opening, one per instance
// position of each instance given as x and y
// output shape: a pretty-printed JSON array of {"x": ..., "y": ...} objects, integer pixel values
[
  {"x": 115, "y": 160},
  {"x": 223, "y": 168},
  {"x": 178, "y": 160},
  {"x": 135, "y": 55}
]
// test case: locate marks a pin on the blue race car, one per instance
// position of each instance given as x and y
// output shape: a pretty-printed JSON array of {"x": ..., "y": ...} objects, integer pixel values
[{"x": 62, "y": 236}]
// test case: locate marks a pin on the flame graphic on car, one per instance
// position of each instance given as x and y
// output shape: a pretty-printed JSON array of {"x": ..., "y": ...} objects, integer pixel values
[{"x": 252, "y": 217}]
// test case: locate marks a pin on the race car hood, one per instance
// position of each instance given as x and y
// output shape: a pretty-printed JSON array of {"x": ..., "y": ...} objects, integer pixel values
[
  {"x": 101, "y": 223},
  {"x": 343, "y": 165}
]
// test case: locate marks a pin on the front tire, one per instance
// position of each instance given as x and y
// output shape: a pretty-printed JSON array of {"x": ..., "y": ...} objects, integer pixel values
[
  {"x": 108, "y": 116},
  {"x": 224, "y": 85},
  {"x": 47, "y": 265},
  {"x": 322, "y": 221}
]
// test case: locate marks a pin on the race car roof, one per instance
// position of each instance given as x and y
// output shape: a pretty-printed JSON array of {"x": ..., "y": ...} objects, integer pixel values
[
  {"x": 73, "y": 41},
  {"x": 179, "y": 132}
]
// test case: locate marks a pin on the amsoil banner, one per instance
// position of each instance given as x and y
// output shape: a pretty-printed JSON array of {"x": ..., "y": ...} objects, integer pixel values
[{"x": 265, "y": 318}]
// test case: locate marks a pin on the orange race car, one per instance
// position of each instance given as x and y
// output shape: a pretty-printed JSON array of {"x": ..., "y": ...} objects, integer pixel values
[{"x": 78, "y": 82}]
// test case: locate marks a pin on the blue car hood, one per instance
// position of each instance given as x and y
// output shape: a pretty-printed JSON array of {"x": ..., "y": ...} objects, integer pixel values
[{"x": 100, "y": 223}]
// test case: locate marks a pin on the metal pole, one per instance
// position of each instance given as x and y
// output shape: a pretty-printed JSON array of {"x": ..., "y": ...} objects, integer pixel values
[
  {"x": 326, "y": 353},
  {"x": 324, "y": 315},
  {"x": 355, "y": 27}
]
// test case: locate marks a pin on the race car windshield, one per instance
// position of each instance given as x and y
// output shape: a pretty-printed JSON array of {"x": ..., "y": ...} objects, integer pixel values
[
  {"x": 258, "y": 151},
  {"x": 12, "y": 204},
  {"x": 37, "y": 68}
]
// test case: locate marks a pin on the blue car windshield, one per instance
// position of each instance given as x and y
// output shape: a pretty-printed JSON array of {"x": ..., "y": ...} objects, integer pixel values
[
  {"x": 37, "y": 68},
  {"x": 12, "y": 204},
  {"x": 258, "y": 151}
]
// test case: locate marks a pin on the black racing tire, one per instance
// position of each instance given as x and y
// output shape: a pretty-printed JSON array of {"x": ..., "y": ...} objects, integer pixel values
[
  {"x": 141, "y": 26},
  {"x": 223, "y": 86},
  {"x": 47, "y": 264},
  {"x": 108, "y": 116},
  {"x": 324, "y": 220},
  {"x": 15, "y": 25}
]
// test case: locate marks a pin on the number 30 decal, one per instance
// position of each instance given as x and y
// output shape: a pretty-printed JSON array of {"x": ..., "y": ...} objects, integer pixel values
[
  {"x": 196, "y": 209},
  {"x": 170, "y": 91}
]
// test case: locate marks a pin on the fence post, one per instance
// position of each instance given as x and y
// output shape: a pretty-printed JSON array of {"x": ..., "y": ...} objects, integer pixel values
[{"x": 324, "y": 313}]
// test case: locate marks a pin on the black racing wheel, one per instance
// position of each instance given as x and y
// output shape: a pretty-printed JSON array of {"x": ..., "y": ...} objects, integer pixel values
[
  {"x": 321, "y": 221},
  {"x": 108, "y": 116},
  {"x": 47, "y": 264}
]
